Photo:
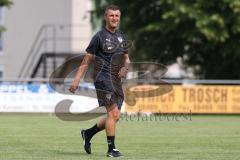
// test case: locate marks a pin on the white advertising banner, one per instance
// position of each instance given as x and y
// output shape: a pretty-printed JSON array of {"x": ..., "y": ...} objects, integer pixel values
[{"x": 39, "y": 98}]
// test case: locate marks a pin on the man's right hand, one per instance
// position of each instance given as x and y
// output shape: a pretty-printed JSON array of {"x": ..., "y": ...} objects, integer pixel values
[
  {"x": 82, "y": 69},
  {"x": 73, "y": 87}
]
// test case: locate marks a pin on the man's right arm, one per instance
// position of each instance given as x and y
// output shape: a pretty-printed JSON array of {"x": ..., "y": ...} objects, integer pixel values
[{"x": 81, "y": 71}]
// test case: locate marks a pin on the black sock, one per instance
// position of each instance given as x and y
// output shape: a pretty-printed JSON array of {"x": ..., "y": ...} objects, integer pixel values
[
  {"x": 110, "y": 141},
  {"x": 92, "y": 131}
]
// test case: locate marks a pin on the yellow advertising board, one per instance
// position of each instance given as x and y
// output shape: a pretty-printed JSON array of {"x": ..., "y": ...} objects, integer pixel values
[{"x": 223, "y": 99}]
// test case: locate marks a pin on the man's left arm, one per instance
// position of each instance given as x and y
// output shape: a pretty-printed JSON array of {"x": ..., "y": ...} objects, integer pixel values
[{"x": 124, "y": 70}]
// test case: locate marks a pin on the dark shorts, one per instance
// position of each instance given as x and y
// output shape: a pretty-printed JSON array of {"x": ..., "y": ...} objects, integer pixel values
[{"x": 109, "y": 93}]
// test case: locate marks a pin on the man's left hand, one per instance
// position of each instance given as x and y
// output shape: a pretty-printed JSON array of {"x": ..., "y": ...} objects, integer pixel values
[{"x": 123, "y": 72}]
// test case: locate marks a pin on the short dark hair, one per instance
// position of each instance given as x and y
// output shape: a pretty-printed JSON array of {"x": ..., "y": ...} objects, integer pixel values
[{"x": 111, "y": 7}]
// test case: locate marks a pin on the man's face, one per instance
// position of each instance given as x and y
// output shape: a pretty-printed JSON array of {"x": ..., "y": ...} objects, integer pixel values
[{"x": 112, "y": 18}]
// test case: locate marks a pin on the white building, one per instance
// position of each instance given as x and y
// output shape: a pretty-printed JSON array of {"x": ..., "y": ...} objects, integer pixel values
[{"x": 36, "y": 26}]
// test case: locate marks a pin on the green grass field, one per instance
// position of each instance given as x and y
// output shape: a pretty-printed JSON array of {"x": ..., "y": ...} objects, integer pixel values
[{"x": 48, "y": 138}]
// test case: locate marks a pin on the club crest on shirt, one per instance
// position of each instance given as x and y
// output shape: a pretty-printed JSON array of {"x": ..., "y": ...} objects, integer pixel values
[
  {"x": 108, "y": 96},
  {"x": 120, "y": 39},
  {"x": 108, "y": 40}
]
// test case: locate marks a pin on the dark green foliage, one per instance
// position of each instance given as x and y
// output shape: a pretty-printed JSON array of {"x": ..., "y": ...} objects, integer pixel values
[
  {"x": 7, "y": 3},
  {"x": 205, "y": 33},
  {"x": 3, "y": 3}
]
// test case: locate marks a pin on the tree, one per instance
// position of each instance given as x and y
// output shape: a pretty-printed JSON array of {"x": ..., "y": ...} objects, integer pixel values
[
  {"x": 204, "y": 33},
  {"x": 7, "y": 3},
  {"x": 3, "y": 3}
]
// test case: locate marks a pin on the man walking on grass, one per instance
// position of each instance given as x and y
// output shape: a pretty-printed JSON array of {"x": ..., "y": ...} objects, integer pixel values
[{"x": 111, "y": 60}]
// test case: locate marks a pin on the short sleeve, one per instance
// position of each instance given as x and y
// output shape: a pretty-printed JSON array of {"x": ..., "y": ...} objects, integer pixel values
[
  {"x": 126, "y": 43},
  {"x": 93, "y": 45}
]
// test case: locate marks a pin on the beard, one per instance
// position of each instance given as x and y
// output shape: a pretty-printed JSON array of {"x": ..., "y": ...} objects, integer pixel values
[{"x": 113, "y": 25}]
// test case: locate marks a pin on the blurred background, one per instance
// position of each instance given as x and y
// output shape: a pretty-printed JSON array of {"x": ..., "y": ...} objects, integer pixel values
[
  {"x": 190, "y": 105},
  {"x": 198, "y": 42}
]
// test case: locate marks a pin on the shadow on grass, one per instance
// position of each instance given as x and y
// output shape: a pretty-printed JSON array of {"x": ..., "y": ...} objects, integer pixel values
[
  {"x": 79, "y": 153},
  {"x": 70, "y": 153}
]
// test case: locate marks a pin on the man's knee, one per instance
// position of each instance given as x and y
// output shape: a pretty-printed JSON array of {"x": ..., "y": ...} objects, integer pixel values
[{"x": 114, "y": 113}]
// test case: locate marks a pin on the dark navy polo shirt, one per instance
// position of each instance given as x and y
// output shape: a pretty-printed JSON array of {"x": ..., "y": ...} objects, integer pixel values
[{"x": 108, "y": 50}]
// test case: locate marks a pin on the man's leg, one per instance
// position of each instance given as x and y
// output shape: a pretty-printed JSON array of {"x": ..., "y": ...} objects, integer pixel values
[
  {"x": 113, "y": 115},
  {"x": 96, "y": 128},
  {"x": 101, "y": 123},
  {"x": 89, "y": 133},
  {"x": 109, "y": 124}
]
